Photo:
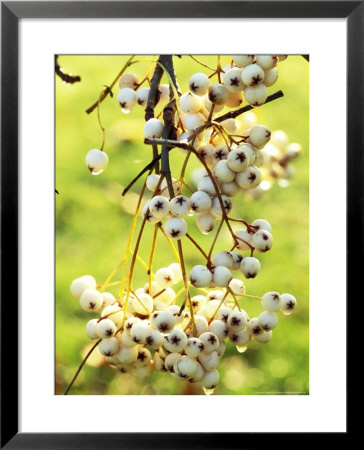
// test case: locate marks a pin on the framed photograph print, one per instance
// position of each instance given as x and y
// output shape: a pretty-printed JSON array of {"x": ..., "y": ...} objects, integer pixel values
[{"x": 179, "y": 182}]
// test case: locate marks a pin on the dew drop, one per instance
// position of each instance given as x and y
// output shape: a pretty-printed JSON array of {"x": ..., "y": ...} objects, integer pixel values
[
  {"x": 97, "y": 173},
  {"x": 241, "y": 348},
  {"x": 208, "y": 391},
  {"x": 125, "y": 111}
]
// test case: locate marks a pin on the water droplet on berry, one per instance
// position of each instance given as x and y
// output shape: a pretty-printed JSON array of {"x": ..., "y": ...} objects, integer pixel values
[
  {"x": 241, "y": 348},
  {"x": 208, "y": 391},
  {"x": 125, "y": 111}
]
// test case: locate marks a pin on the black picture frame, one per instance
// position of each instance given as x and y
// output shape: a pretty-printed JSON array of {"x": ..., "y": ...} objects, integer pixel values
[{"x": 11, "y": 13}]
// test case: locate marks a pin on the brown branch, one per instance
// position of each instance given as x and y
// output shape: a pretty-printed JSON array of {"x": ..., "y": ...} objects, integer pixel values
[
  {"x": 238, "y": 112},
  {"x": 154, "y": 92},
  {"x": 169, "y": 130},
  {"x": 65, "y": 76}
]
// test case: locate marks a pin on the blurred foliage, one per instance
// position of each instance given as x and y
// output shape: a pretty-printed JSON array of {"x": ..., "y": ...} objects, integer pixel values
[{"x": 92, "y": 226}]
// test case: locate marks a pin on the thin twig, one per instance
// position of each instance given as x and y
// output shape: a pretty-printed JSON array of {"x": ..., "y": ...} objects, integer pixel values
[
  {"x": 67, "y": 78},
  {"x": 81, "y": 365},
  {"x": 108, "y": 89}
]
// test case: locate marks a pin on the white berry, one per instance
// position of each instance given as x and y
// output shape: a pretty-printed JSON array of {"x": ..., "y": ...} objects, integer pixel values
[
  {"x": 218, "y": 94},
  {"x": 271, "y": 301},
  {"x": 267, "y": 320},
  {"x": 91, "y": 300},
  {"x": 79, "y": 285},
  {"x": 159, "y": 206},
  {"x": 153, "y": 128},
  {"x": 127, "y": 98},
  {"x": 200, "y": 276},
  {"x": 259, "y": 136},
  {"x": 288, "y": 304},
  {"x": 199, "y": 83},
  {"x": 262, "y": 241},
  {"x": 175, "y": 228},
  {"x": 91, "y": 329},
  {"x": 256, "y": 95},
  {"x": 252, "y": 75},
  {"x": 96, "y": 161},
  {"x": 190, "y": 103},
  {"x": 250, "y": 267},
  {"x": 221, "y": 276}
]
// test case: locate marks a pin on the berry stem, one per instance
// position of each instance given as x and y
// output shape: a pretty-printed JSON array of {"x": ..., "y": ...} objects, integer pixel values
[
  {"x": 201, "y": 63},
  {"x": 197, "y": 246},
  {"x": 132, "y": 264},
  {"x": 81, "y": 365},
  {"x": 219, "y": 305},
  {"x": 169, "y": 242},
  {"x": 108, "y": 90},
  {"x": 213, "y": 242},
  {"x": 185, "y": 282},
  {"x": 151, "y": 258},
  {"x": 234, "y": 297},
  {"x": 251, "y": 296},
  {"x": 131, "y": 234}
]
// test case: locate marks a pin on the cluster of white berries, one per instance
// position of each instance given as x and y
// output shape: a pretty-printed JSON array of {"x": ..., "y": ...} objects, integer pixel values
[
  {"x": 248, "y": 76},
  {"x": 146, "y": 330},
  {"x": 277, "y": 165},
  {"x": 256, "y": 236},
  {"x": 156, "y": 334}
]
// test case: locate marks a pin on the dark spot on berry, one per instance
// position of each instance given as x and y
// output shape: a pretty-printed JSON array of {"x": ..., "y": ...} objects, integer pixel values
[
  {"x": 193, "y": 87},
  {"x": 180, "y": 200},
  {"x": 175, "y": 233},
  {"x": 240, "y": 157},
  {"x": 92, "y": 305},
  {"x": 212, "y": 97},
  {"x": 149, "y": 340},
  {"x": 212, "y": 339},
  {"x": 220, "y": 155},
  {"x": 256, "y": 80},
  {"x": 159, "y": 205},
  {"x": 141, "y": 356},
  {"x": 175, "y": 340},
  {"x": 275, "y": 297},
  {"x": 252, "y": 177},
  {"x": 201, "y": 346},
  {"x": 290, "y": 305},
  {"x": 203, "y": 154},
  {"x": 109, "y": 332},
  {"x": 234, "y": 81},
  {"x": 163, "y": 326}
]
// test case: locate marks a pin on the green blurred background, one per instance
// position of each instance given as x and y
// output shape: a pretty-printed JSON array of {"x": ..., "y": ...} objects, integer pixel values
[{"x": 93, "y": 222}]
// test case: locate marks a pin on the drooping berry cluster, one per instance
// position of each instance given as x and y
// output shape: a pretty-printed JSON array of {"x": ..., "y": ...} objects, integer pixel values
[
  {"x": 154, "y": 334},
  {"x": 148, "y": 328}
]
